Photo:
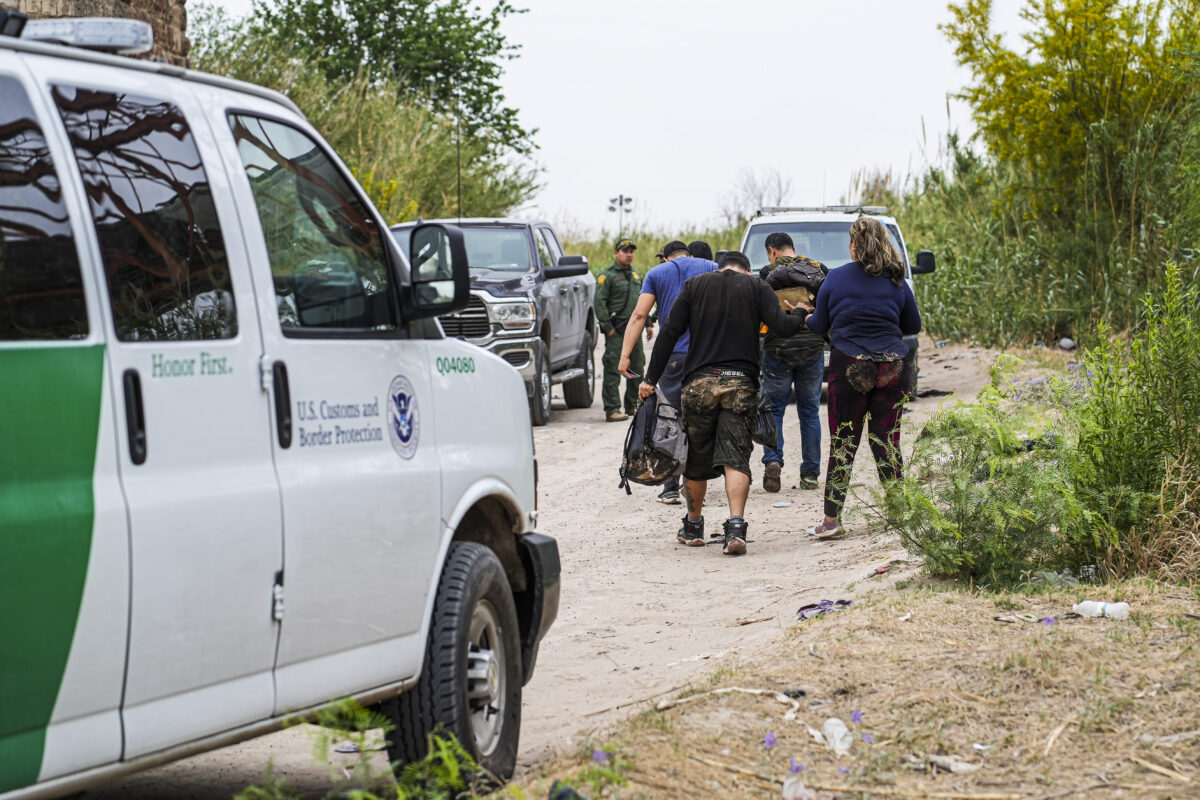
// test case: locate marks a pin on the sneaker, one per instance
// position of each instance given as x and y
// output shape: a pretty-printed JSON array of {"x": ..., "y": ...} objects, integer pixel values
[
  {"x": 827, "y": 530},
  {"x": 669, "y": 497},
  {"x": 771, "y": 476},
  {"x": 809, "y": 480},
  {"x": 692, "y": 533},
  {"x": 616, "y": 416},
  {"x": 735, "y": 537}
]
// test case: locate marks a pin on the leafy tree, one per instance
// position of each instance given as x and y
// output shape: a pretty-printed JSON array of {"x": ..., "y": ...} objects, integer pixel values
[
  {"x": 446, "y": 52},
  {"x": 406, "y": 155},
  {"x": 1095, "y": 110}
]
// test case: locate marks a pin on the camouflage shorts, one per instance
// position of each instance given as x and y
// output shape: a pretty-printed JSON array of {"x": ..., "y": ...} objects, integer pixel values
[{"x": 718, "y": 412}]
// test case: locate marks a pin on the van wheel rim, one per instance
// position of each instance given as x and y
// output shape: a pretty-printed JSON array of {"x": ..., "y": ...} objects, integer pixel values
[
  {"x": 486, "y": 678},
  {"x": 591, "y": 374},
  {"x": 545, "y": 387}
]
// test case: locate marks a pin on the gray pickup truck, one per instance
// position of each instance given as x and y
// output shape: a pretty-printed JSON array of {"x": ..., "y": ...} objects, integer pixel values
[{"x": 530, "y": 304}]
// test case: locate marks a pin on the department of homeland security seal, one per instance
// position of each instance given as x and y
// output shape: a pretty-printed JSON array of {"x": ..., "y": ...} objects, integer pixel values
[{"x": 404, "y": 421}]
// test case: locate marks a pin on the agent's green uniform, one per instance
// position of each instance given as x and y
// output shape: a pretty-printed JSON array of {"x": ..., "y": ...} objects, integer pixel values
[{"x": 617, "y": 292}]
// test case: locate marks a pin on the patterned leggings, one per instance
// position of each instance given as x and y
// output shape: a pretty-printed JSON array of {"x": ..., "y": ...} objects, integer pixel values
[{"x": 858, "y": 388}]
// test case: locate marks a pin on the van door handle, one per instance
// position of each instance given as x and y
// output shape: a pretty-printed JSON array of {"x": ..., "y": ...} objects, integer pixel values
[
  {"x": 135, "y": 416},
  {"x": 283, "y": 404},
  {"x": 562, "y": 290}
]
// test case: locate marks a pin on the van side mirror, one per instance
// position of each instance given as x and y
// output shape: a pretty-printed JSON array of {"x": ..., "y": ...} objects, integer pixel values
[
  {"x": 925, "y": 263},
  {"x": 440, "y": 280}
]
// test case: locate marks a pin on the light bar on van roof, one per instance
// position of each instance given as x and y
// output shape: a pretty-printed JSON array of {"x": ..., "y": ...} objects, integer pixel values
[
  {"x": 846, "y": 209},
  {"x": 122, "y": 36}
]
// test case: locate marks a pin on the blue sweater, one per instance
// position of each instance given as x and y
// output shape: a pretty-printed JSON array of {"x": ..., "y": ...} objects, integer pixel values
[{"x": 864, "y": 314}]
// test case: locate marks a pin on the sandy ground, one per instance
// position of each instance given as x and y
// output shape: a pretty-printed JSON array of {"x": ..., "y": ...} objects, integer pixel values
[{"x": 641, "y": 615}]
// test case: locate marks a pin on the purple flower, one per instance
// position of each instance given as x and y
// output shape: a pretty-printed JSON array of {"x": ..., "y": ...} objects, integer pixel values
[
  {"x": 868, "y": 738},
  {"x": 769, "y": 741},
  {"x": 1048, "y": 620},
  {"x": 856, "y": 717},
  {"x": 600, "y": 756},
  {"x": 794, "y": 766},
  {"x": 843, "y": 770}
]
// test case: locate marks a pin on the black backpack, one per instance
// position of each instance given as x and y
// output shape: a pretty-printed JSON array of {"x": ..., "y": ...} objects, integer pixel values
[
  {"x": 656, "y": 445},
  {"x": 804, "y": 272}
]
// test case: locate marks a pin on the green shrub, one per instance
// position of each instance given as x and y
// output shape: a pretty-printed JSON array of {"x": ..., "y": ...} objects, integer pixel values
[
  {"x": 984, "y": 498},
  {"x": 1096, "y": 468}
]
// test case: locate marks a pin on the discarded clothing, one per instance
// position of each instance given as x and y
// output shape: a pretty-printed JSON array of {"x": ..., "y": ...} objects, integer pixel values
[{"x": 824, "y": 607}]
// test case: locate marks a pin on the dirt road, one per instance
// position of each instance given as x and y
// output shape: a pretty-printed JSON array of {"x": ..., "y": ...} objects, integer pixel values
[{"x": 640, "y": 615}]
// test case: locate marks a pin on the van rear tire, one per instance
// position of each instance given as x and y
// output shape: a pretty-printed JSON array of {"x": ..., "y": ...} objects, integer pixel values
[{"x": 470, "y": 683}]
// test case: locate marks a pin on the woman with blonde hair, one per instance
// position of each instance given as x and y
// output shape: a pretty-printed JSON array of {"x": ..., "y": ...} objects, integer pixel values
[{"x": 866, "y": 308}]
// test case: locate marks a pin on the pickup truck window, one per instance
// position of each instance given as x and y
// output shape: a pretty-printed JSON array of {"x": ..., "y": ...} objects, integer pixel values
[
  {"x": 551, "y": 242},
  {"x": 539, "y": 239},
  {"x": 41, "y": 288},
  {"x": 497, "y": 248},
  {"x": 827, "y": 242}
]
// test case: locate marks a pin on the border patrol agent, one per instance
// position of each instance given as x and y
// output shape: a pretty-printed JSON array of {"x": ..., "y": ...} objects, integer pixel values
[{"x": 617, "y": 291}]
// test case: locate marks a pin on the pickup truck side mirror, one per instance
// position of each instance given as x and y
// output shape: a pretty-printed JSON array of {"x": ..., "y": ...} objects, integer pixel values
[
  {"x": 925, "y": 263},
  {"x": 440, "y": 280},
  {"x": 568, "y": 267}
]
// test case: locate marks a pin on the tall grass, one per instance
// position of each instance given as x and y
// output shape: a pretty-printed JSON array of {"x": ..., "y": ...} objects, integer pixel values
[{"x": 598, "y": 248}]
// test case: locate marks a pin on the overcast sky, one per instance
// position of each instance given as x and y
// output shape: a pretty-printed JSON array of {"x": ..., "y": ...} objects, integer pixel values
[{"x": 668, "y": 101}]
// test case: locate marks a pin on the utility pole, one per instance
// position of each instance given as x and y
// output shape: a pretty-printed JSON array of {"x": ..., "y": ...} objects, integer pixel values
[{"x": 620, "y": 204}]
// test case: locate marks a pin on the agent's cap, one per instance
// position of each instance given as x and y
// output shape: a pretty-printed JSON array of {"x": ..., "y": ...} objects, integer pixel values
[{"x": 625, "y": 244}]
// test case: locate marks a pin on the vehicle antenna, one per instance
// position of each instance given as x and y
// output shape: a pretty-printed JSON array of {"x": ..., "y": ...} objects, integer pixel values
[{"x": 458, "y": 149}]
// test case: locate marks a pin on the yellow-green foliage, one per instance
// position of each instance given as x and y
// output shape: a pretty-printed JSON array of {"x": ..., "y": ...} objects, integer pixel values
[
  {"x": 1098, "y": 77},
  {"x": 1087, "y": 176}
]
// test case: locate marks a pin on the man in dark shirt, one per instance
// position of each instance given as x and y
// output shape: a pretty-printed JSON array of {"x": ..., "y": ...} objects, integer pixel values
[
  {"x": 793, "y": 362},
  {"x": 722, "y": 312}
]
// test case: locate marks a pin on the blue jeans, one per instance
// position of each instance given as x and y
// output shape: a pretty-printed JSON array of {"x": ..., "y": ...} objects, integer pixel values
[{"x": 778, "y": 379}]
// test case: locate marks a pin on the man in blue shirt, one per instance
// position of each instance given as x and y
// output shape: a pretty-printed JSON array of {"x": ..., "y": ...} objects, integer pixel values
[{"x": 662, "y": 285}]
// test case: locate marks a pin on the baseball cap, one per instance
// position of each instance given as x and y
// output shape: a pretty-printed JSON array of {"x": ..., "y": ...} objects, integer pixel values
[
  {"x": 623, "y": 243},
  {"x": 671, "y": 247}
]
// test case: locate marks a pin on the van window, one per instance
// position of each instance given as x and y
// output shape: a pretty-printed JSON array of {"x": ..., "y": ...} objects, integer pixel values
[
  {"x": 326, "y": 252},
  {"x": 160, "y": 243},
  {"x": 41, "y": 288}
]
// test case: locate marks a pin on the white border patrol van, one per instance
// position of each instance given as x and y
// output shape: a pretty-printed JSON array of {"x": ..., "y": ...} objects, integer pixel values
[{"x": 242, "y": 472}]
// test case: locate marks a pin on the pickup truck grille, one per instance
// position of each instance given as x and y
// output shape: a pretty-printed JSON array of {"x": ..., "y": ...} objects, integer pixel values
[{"x": 470, "y": 323}]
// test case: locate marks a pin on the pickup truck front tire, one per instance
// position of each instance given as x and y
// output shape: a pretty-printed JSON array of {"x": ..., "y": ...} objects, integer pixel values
[
  {"x": 470, "y": 683},
  {"x": 581, "y": 392},
  {"x": 539, "y": 401}
]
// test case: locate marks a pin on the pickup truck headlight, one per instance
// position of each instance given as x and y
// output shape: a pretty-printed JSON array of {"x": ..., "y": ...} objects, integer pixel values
[{"x": 513, "y": 316}]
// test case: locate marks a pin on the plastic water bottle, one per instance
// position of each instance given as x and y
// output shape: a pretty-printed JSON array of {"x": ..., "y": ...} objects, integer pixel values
[{"x": 1094, "y": 608}]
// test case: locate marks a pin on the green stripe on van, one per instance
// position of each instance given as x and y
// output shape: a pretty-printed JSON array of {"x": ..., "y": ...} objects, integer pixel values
[{"x": 49, "y": 423}]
